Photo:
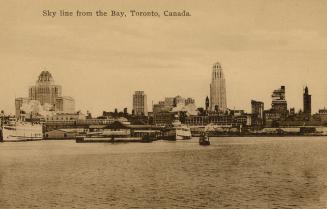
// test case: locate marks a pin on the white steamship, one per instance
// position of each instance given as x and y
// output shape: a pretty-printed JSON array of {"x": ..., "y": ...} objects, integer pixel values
[{"x": 17, "y": 131}]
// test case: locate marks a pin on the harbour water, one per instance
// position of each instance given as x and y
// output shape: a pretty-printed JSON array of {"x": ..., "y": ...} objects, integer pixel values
[{"x": 231, "y": 173}]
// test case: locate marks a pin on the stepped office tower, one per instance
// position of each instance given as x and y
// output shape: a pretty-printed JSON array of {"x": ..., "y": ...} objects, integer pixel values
[
  {"x": 45, "y": 89},
  {"x": 47, "y": 92},
  {"x": 218, "y": 89},
  {"x": 279, "y": 103}
]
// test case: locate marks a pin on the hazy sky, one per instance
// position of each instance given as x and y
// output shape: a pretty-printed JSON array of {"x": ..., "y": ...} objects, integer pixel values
[{"x": 101, "y": 61}]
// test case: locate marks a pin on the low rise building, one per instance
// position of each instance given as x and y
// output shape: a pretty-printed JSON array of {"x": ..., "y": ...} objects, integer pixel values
[
  {"x": 322, "y": 114},
  {"x": 61, "y": 134},
  {"x": 189, "y": 101},
  {"x": 222, "y": 120},
  {"x": 65, "y": 117}
]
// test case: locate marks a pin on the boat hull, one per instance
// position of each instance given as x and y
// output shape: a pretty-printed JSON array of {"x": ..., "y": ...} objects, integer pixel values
[
  {"x": 173, "y": 135},
  {"x": 110, "y": 139},
  {"x": 204, "y": 141}
]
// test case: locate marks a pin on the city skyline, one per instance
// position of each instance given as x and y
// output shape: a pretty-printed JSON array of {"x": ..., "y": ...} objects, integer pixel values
[
  {"x": 102, "y": 64},
  {"x": 268, "y": 104}
]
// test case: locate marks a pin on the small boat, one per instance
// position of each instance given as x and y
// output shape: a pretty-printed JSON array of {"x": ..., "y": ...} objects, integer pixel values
[{"x": 204, "y": 140}]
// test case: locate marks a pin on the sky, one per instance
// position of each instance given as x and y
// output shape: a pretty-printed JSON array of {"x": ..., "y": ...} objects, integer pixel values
[{"x": 101, "y": 61}]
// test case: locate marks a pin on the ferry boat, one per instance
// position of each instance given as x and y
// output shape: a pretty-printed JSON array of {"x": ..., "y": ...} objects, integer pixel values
[
  {"x": 179, "y": 131},
  {"x": 112, "y": 138},
  {"x": 17, "y": 131}
]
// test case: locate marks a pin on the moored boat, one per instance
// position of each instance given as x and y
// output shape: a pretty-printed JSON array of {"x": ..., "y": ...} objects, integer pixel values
[{"x": 18, "y": 131}]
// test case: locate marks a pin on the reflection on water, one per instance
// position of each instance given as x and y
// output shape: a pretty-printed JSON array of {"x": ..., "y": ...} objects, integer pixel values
[{"x": 231, "y": 173}]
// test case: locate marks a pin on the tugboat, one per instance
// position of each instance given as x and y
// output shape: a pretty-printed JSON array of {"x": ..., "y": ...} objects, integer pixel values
[{"x": 204, "y": 140}]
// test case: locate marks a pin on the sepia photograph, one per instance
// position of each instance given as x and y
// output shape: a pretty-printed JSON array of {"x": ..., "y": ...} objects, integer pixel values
[{"x": 213, "y": 104}]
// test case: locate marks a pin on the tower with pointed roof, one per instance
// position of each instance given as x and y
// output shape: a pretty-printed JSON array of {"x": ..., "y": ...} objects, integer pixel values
[
  {"x": 306, "y": 102},
  {"x": 218, "y": 89}
]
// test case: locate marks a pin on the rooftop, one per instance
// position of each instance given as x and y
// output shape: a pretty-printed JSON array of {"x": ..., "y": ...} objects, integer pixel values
[{"x": 45, "y": 77}]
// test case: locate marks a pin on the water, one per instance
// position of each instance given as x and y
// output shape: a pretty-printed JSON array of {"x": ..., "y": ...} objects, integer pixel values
[{"x": 231, "y": 173}]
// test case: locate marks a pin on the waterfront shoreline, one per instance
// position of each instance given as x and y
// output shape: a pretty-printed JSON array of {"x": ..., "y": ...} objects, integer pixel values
[{"x": 125, "y": 141}]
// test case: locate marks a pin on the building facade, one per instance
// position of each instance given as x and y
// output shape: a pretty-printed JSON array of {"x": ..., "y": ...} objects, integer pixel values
[
  {"x": 140, "y": 106},
  {"x": 221, "y": 120},
  {"x": 65, "y": 117},
  {"x": 163, "y": 118},
  {"x": 218, "y": 89},
  {"x": 161, "y": 107}
]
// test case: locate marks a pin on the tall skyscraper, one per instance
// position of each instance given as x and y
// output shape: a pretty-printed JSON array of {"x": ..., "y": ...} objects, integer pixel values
[
  {"x": 140, "y": 105},
  {"x": 46, "y": 93},
  {"x": 218, "y": 89},
  {"x": 306, "y": 101}
]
